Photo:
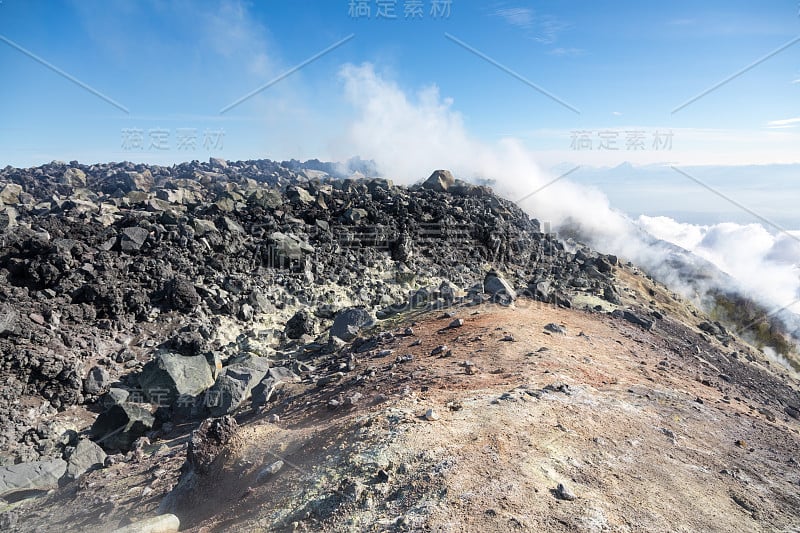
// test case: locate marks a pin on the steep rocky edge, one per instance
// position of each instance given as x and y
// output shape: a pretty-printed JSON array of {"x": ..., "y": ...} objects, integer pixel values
[{"x": 231, "y": 273}]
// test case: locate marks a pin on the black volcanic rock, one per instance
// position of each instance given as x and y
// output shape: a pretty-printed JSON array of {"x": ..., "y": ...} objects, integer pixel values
[
  {"x": 123, "y": 261},
  {"x": 120, "y": 425},
  {"x": 301, "y": 323}
]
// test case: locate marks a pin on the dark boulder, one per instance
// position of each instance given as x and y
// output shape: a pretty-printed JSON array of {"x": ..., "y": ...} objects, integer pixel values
[
  {"x": 120, "y": 425},
  {"x": 349, "y": 322}
]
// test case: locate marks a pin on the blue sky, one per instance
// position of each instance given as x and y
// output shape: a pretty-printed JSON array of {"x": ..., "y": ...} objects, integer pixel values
[{"x": 174, "y": 66}]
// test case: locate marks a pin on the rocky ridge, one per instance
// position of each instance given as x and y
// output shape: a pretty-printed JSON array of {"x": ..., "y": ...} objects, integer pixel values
[
  {"x": 141, "y": 292},
  {"x": 148, "y": 311}
]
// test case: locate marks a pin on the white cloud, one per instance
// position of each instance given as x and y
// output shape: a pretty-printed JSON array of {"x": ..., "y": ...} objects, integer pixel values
[
  {"x": 542, "y": 28},
  {"x": 409, "y": 136},
  {"x": 783, "y": 123},
  {"x": 566, "y": 52},
  {"x": 765, "y": 264},
  {"x": 517, "y": 16},
  {"x": 616, "y": 113}
]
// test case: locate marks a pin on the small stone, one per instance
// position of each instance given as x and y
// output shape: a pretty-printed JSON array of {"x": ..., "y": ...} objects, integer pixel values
[
  {"x": 273, "y": 419},
  {"x": 439, "y": 350},
  {"x": 165, "y": 523},
  {"x": 555, "y": 328},
  {"x": 353, "y": 399},
  {"x": 269, "y": 471},
  {"x": 454, "y": 405},
  {"x": 508, "y": 338},
  {"x": 431, "y": 415},
  {"x": 96, "y": 380},
  {"x": 457, "y": 323},
  {"x": 564, "y": 493}
]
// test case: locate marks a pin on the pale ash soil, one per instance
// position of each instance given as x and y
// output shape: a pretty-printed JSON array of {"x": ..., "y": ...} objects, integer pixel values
[{"x": 628, "y": 435}]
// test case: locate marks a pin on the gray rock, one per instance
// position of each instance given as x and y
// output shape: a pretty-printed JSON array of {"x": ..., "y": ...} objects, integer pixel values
[
  {"x": 439, "y": 181},
  {"x": 113, "y": 397},
  {"x": 203, "y": 227},
  {"x": 172, "y": 196},
  {"x": 439, "y": 350},
  {"x": 447, "y": 291},
  {"x": 633, "y": 318},
  {"x": 217, "y": 162},
  {"x": 498, "y": 288},
  {"x": 8, "y": 319},
  {"x": 137, "y": 181},
  {"x": 8, "y": 218},
  {"x": 299, "y": 194},
  {"x": 86, "y": 456},
  {"x": 302, "y": 323},
  {"x": 133, "y": 239},
  {"x": 96, "y": 380},
  {"x": 289, "y": 246},
  {"x": 119, "y": 426},
  {"x": 266, "y": 198},
  {"x": 349, "y": 322},
  {"x": 543, "y": 291},
  {"x": 354, "y": 216},
  {"x": 563, "y": 492},
  {"x": 431, "y": 415},
  {"x": 555, "y": 328},
  {"x": 262, "y": 393},
  {"x": 234, "y": 385},
  {"x": 171, "y": 376},
  {"x": 165, "y": 523},
  {"x": 40, "y": 475},
  {"x": 281, "y": 373},
  {"x": 246, "y": 312},
  {"x": 74, "y": 177},
  {"x": 269, "y": 471},
  {"x": 9, "y": 195},
  {"x": 232, "y": 226},
  {"x": 610, "y": 295}
]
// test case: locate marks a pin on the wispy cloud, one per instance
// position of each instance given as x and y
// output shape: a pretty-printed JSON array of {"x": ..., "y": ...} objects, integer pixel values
[
  {"x": 784, "y": 123},
  {"x": 616, "y": 113},
  {"x": 566, "y": 52},
  {"x": 796, "y": 81},
  {"x": 520, "y": 17},
  {"x": 541, "y": 28}
]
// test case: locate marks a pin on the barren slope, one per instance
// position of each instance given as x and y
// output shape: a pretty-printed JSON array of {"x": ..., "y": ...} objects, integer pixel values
[{"x": 660, "y": 430}]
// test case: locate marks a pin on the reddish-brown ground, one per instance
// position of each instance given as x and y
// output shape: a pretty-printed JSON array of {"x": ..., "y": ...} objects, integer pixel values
[{"x": 638, "y": 424}]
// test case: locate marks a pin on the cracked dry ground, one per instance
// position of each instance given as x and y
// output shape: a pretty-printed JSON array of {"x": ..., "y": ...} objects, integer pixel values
[{"x": 638, "y": 424}]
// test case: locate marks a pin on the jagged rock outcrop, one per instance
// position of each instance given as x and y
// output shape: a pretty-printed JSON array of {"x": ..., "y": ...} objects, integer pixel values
[{"x": 124, "y": 276}]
